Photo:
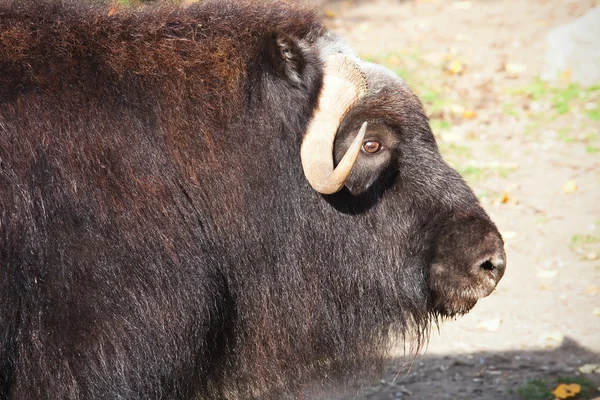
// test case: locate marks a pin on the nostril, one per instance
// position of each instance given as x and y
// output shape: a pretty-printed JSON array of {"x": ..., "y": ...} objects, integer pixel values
[
  {"x": 493, "y": 267},
  {"x": 488, "y": 266}
]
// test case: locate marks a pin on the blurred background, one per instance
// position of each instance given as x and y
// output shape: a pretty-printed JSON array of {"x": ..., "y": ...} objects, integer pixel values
[{"x": 530, "y": 148}]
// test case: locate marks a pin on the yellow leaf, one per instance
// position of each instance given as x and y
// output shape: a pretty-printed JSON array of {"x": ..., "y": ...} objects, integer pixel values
[
  {"x": 569, "y": 186},
  {"x": 564, "y": 391},
  {"x": 329, "y": 13},
  {"x": 455, "y": 67},
  {"x": 596, "y": 311},
  {"x": 505, "y": 197},
  {"x": 593, "y": 290},
  {"x": 393, "y": 60},
  {"x": 469, "y": 114},
  {"x": 555, "y": 336}
]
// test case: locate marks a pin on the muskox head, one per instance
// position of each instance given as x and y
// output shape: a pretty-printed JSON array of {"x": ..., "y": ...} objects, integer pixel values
[{"x": 373, "y": 129}]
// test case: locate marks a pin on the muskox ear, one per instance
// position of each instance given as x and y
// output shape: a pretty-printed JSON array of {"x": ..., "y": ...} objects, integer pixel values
[{"x": 284, "y": 55}]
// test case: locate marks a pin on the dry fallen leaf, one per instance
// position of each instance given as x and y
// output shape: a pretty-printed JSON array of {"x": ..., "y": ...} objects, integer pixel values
[
  {"x": 591, "y": 256},
  {"x": 564, "y": 391},
  {"x": 455, "y": 67},
  {"x": 589, "y": 369},
  {"x": 569, "y": 186},
  {"x": 552, "y": 338},
  {"x": 490, "y": 325},
  {"x": 505, "y": 197},
  {"x": 593, "y": 290},
  {"x": 328, "y": 13},
  {"x": 393, "y": 60},
  {"x": 469, "y": 114},
  {"x": 596, "y": 311}
]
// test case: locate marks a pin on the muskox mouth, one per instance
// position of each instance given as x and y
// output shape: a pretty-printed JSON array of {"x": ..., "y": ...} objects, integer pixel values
[
  {"x": 455, "y": 303},
  {"x": 456, "y": 294}
]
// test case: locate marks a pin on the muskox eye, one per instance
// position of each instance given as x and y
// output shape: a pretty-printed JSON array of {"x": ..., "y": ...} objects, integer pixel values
[{"x": 371, "y": 146}]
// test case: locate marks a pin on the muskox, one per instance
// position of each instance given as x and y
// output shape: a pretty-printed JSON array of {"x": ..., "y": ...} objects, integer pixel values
[{"x": 216, "y": 202}]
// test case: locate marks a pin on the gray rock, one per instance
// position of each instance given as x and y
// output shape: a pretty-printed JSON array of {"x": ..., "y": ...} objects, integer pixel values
[{"x": 575, "y": 47}]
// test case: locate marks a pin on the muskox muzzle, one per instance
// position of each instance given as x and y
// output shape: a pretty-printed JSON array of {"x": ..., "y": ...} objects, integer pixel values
[{"x": 469, "y": 262}]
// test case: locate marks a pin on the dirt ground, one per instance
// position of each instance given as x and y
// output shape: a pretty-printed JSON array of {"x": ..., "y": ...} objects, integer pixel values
[{"x": 535, "y": 164}]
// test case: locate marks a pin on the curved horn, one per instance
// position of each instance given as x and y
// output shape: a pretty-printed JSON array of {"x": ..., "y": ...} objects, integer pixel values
[{"x": 343, "y": 84}]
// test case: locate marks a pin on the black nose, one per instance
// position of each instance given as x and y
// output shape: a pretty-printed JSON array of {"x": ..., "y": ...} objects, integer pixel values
[{"x": 492, "y": 263}]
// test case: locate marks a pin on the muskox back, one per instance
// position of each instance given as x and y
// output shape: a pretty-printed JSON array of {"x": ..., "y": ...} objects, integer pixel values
[{"x": 158, "y": 237}]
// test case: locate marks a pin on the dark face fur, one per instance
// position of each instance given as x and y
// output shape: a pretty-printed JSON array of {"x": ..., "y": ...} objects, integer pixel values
[{"x": 400, "y": 166}]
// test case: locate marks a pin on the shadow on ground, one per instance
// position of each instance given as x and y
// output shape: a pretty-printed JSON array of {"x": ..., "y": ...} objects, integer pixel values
[{"x": 483, "y": 375}]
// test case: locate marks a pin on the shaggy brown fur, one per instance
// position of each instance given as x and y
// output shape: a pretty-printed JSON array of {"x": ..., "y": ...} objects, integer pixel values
[{"x": 158, "y": 239}]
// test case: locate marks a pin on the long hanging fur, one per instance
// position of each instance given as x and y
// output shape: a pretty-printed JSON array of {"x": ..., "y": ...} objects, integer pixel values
[{"x": 158, "y": 239}]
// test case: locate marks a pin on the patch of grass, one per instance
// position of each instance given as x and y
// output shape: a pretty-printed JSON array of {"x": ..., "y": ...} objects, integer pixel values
[
  {"x": 542, "y": 220},
  {"x": 455, "y": 150},
  {"x": 535, "y": 389},
  {"x": 503, "y": 171},
  {"x": 438, "y": 125},
  {"x": 532, "y": 126},
  {"x": 594, "y": 114},
  {"x": 562, "y": 98},
  {"x": 495, "y": 150},
  {"x": 540, "y": 389},
  {"x": 591, "y": 149},
  {"x": 473, "y": 174},
  {"x": 476, "y": 173},
  {"x": 569, "y": 135},
  {"x": 566, "y": 137},
  {"x": 510, "y": 110},
  {"x": 485, "y": 194},
  {"x": 580, "y": 240},
  {"x": 584, "y": 244}
]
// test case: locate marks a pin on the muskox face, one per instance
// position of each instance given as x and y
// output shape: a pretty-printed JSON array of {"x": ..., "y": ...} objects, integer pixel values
[{"x": 388, "y": 158}]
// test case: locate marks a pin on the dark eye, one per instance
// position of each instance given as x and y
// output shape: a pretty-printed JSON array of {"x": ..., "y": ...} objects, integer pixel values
[{"x": 371, "y": 146}]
